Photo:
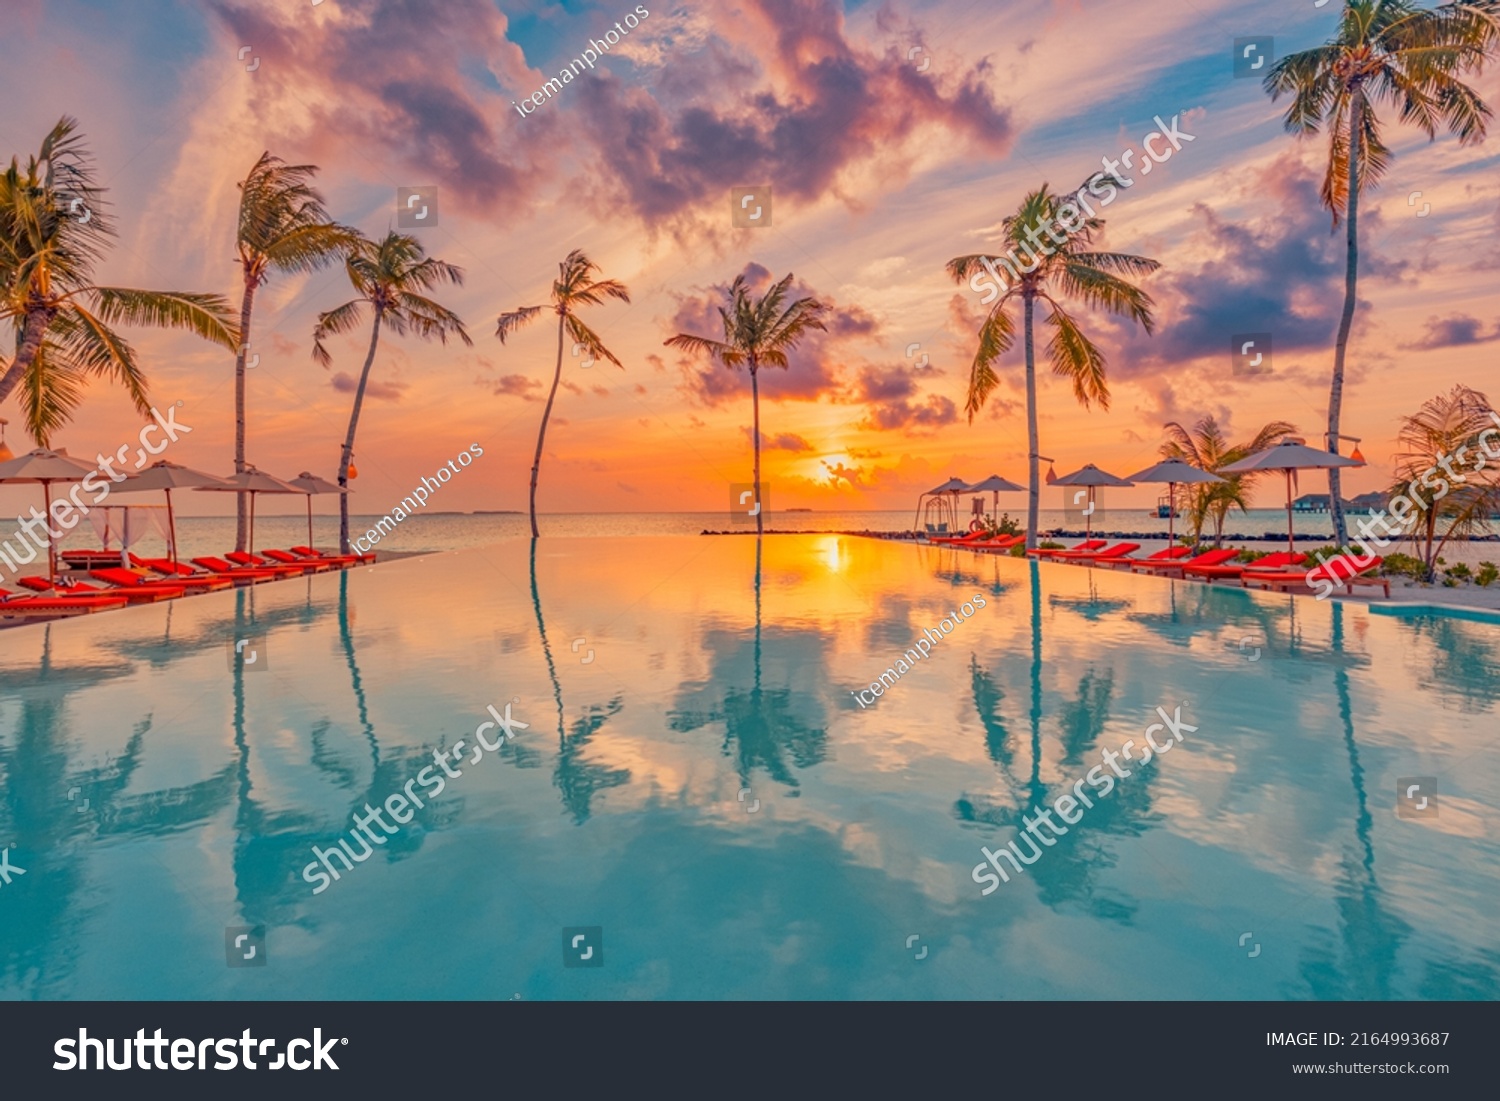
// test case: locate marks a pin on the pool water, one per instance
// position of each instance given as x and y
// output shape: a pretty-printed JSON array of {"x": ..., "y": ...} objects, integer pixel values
[{"x": 700, "y": 792}]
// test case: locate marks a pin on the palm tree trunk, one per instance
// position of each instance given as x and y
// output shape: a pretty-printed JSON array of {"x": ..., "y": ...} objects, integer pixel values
[
  {"x": 1346, "y": 322},
  {"x": 536, "y": 463},
  {"x": 32, "y": 332},
  {"x": 347, "y": 455},
  {"x": 1033, "y": 504},
  {"x": 760, "y": 513},
  {"x": 242, "y": 510}
]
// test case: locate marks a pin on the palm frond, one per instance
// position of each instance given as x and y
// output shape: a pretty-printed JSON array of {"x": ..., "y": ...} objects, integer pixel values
[
  {"x": 510, "y": 322},
  {"x": 335, "y": 322},
  {"x": 207, "y": 315},
  {"x": 1076, "y": 358}
]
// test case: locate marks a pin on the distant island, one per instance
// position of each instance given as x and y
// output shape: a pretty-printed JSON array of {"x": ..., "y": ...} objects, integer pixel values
[
  {"x": 497, "y": 512},
  {"x": 796, "y": 510}
]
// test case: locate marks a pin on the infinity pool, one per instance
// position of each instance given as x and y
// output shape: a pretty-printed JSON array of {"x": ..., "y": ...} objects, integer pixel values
[{"x": 700, "y": 796}]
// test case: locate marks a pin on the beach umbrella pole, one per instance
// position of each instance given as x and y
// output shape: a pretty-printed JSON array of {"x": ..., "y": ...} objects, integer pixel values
[
  {"x": 51, "y": 546},
  {"x": 1291, "y": 545},
  {"x": 172, "y": 527},
  {"x": 309, "y": 520},
  {"x": 1171, "y": 515}
]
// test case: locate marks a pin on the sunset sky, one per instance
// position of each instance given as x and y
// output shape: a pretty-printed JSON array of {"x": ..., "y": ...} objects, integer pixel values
[{"x": 894, "y": 136}]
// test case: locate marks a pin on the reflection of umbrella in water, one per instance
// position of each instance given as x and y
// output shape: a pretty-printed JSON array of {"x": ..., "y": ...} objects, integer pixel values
[
  {"x": 166, "y": 477},
  {"x": 310, "y": 484},
  {"x": 1290, "y": 456},
  {"x": 43, "y": 467},
  {"x": 1089, "y": 476},
  {"x": 252, "y": 481},
  {"x": 1174, "y": 472}
]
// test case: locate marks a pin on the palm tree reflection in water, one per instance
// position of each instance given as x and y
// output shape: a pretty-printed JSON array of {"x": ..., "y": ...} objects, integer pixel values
[
  {"x": 762, "y": 726},
  {"x": 577, "y": 780}
]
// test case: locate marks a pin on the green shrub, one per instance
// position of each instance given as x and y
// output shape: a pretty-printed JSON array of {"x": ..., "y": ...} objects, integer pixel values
[
  {"x": 1250, "y": 555},
  {"x": 1049, "y": 544},
  {"x": 1403, "y": 565},
  {"x": 1007, "y": 526},
  {"x": 1018, "y": 551},
  {"x": 1486, "y": 575},
  {"x": 1460, "y": 572}
]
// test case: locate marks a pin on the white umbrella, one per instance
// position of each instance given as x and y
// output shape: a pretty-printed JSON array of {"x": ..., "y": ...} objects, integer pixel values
[
  {"x": 996, "y": 485},
  {"x": 252, "y": 481},
  {"x": 1290, "y": 455},
  {"x": 1090, "y": 476},
  {"x": 166, "y": 477},
  {"x": 309, "y": 484},
  {"x": 43, "y": 467},
  {"x": 1174, "y": 472}
]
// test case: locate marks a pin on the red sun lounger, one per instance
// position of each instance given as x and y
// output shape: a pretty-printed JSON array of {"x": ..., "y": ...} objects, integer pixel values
[
  {"x": 969, "y": 537},
  {"x": 129, "y": 579},
  {"x": 138, "y": 595},
  {"x": 309, "y": 552},
  {"x": 999, "y": 543},
  {"x": 1339, "y": 572},
  {"x": 14, "y": 606},
  {"x": 1177, "y": 568},
  {"x": 176, "y": 572},
  {"x": 1166, "y": 554},
  {"x": 1281, "y": 561},
  {"x": 1086, "y": 546},
  {"x": 250, "y": 561},
  {"x": 286, "y": 558},
  {"x": 224, "y": 569},
  {"x": 1119, "y": 550}
]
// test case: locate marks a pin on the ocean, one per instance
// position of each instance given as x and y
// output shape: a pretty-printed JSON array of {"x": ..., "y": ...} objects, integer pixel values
[{"x": 438, "y": 531}]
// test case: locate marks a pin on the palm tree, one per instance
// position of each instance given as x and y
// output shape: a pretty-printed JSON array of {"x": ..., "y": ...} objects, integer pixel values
[
  {"x": 389, "y": 276},
  {"x": 1410, "y": 59},
  {"x": 1205, "y": 447},
  {"x": 575, "y": 286},
  {"x": 282, "y": 225},
  {"x": 757, "y": 332},
  {"x": 55, "y": 228},
  {"x": 1069, "y": 268},
  {"x": 1444, "y": 427}
]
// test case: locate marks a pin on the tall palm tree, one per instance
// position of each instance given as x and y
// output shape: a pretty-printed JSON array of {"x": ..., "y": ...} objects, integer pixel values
[
  {"x": 282, "y": 226},
  {"x": 758, "y": 332},
  {"x": 1445, "y": 426},
  {"x": 1070, "y": 268},
  {"x": 390, "y": 277},
  {"x": 55, "y": 228},
  {"x": 1205, "y": 447},
  {"x": 1394, "y": 53},
  {"x": 575, "y": 286}
]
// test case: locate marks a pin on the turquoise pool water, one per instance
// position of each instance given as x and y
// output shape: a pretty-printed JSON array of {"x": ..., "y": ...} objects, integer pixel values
[{"x": 698, "y": 780}]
